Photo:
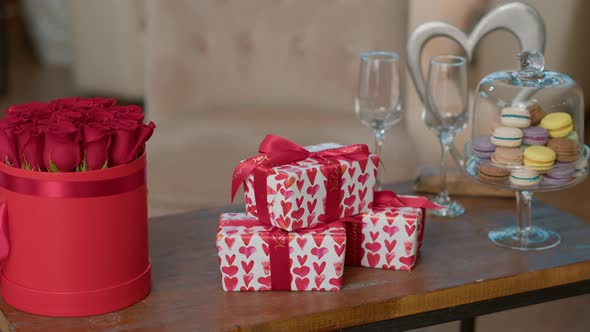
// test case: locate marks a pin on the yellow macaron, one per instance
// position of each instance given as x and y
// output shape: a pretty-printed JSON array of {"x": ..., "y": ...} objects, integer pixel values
[
  {"x": 559, "y": 124},
  {"x": 540, "y": 158}
]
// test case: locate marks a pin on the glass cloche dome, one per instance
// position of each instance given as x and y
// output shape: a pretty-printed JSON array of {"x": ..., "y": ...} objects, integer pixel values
[{"x": 527, "y": 136}]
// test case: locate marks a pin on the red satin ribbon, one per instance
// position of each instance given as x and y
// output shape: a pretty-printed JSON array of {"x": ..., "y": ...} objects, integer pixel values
[
  {"x": 382, "y": 199},
  {"x": 278, "y": 245},
  {"x": 353, "y": 244},
  {"x": 275, "y": 151},
  {"x": 73, "y": 189},
  {"x": 278, "y": 248},
  {"x": 388, "y": 198},
  {"x": 60, "y": 189}
]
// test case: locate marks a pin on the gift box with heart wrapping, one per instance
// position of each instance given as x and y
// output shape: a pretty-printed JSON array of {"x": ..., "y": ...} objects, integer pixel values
[
  {"x": 390, "y": 235},
  {"x": 257, "y": 257},
  {"x": 291, "y": 187}
]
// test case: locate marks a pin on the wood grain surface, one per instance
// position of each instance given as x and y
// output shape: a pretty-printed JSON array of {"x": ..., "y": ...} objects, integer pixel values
[
  {"x": 458, "y": 185},
  {"x": 458, "y": 265}
]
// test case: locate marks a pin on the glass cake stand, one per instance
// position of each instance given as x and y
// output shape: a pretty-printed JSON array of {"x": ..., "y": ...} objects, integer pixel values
[{"x": 530, "y": 112}]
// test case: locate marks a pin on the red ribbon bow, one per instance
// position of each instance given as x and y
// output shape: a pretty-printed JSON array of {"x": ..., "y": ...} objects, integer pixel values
[{"x": 275, "y": 151}]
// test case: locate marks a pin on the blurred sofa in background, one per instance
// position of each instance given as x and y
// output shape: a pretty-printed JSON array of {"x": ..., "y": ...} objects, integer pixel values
[{"x": 109, "y": 47}]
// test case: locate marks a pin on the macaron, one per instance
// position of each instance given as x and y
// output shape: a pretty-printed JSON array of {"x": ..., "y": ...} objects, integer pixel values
[
  {"x": 560, "y": 174},
  {"x": 581, "y": 168},
  {"x": 561, "y": 171},
  {"x": 515, "y": 116},
  {"x": 553, "y": 181},
  {"x": 573, "y": 136},
  {"x": 534, "y": 136},
  {"x": 559, "y": 124},
  {"x": 536, "y": 113},
  {"x": 483, "y": 147},
  {"x": 491, "y": 173},
  {"x": 524, "y": 177},
  {"x": 507, "y": 137},
  {"x": 539, "y": 158},
  {"x": 507, "y": 156},
  {"x": 566, "y": 149}
]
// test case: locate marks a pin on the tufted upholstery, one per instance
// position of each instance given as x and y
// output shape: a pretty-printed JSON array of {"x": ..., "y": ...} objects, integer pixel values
[{"x": 268, "y": 53}]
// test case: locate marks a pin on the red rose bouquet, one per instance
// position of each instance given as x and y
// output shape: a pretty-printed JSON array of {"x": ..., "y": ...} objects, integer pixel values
[{"x": 72, "y": 134}]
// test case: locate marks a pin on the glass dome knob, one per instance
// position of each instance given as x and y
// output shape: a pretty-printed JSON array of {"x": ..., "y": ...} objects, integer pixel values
[{"x": 532, "y": 64}]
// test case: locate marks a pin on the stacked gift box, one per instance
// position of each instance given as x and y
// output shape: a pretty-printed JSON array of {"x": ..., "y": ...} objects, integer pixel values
[{"x": 310, "y": 211}]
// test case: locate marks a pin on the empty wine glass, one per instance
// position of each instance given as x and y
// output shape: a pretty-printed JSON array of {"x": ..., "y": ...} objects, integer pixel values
[
  {"x": 447, "y": 103},
  {"x": 378, "y": 102}
]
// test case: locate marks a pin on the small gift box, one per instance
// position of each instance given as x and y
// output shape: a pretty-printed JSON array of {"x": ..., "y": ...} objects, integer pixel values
[
  {"x": 291, "y": 187},
  {"x": 258, "y": 257},
  {"x": 390, "y": 235}
]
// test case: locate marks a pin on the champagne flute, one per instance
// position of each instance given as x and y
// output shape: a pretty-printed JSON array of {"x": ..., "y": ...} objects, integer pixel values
[
  {"x": 447, "y": 97},
  {"x": 378, "y": 102}
]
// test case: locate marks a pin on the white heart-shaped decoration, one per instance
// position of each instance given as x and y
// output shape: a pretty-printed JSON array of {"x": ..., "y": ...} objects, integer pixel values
[{"x": 518, "y": 18}]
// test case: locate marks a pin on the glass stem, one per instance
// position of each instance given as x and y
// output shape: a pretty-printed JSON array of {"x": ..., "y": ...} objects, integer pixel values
[
  {"x": 379, "y": 140},
  {"x": 446, "y": 139},
  {"x": 524, "y": 200},
  {"x": 457, "y": 156}
]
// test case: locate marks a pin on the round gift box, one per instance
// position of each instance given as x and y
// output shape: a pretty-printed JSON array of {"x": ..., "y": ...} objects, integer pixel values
[{"x": 78, "y": 241}]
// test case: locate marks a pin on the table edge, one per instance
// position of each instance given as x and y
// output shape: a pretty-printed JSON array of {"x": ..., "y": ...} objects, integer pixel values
[{"x": 477, "y": 291}]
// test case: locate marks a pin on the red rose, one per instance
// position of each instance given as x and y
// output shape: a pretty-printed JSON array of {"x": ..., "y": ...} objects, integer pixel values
[
  {"x": 98, "y": 115},
  {"x": 26, "y": 107},
  {"x": 131, "y": 112},
  {"x": 67, "y": 102},
  {"x": 68, "y": 115},
  {"x": 97, "y": 141},
  {"x": 61, "y": 151},
  {"x": 29, "y": 112},
  {"x": 8, "y": 153},
  {"x": 124, "y": 139},
  {"x": 7, "y": 148},
  {"x": 26, "y": 115},
  {"x": 78, "y": 103},
  {"x": 29, "y": 143},
  {"x": 134, "y": 108},
  {"x": 11, "y": 123},
  {"x": 129, "y": 138},
  {"x": 144, "y": 133},
  {"x": 98, "y": 102}
]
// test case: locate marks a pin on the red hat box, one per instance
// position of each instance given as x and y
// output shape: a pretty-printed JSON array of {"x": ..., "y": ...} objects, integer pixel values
[{"x": 75, "y": 243}]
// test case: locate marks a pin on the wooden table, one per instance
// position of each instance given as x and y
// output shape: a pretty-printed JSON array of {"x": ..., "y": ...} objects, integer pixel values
[{"x": 460, "y": 275}]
